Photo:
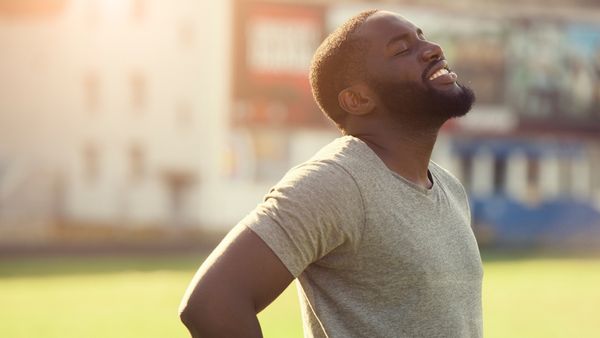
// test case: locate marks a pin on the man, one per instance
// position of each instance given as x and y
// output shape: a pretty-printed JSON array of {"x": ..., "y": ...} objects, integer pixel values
[{"x": 377, "y": 235}]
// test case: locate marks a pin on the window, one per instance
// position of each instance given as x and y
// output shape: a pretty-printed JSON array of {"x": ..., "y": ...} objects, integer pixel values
[
  {"x": 91, "y": 85},
  {"x": 184, "y": 115},
  {"x": 533, "y": 172},
  {"x": 187, "y": 34},
  {"x": 136, "y": 162},
  {"x": 466, "y": 167},
  {"x": 91, "y": 166},
  {"x": 594, "y": 155},
  {"x": 565, "y": 176},
  {"x": 271, "y": 150},
  {"x": 138, "y": 91},
  {"x": 92, "y": 15},
  {"x": 499, "y": 175},
  {"x": 138, "y": 9}
]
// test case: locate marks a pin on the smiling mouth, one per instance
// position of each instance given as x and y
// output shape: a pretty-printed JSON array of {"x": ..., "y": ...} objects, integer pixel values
[
  {"x": 439, "y": 73},
  {"x": 444, "y": 75}
]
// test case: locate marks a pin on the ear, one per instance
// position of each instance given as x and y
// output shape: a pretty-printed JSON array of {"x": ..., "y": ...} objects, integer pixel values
[{"x": 356, "y": 100}]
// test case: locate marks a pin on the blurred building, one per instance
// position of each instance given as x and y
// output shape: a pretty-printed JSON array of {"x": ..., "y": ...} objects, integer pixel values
[
  {"x": 141, "y": 112},
  {"x": 111, "y": 110}
]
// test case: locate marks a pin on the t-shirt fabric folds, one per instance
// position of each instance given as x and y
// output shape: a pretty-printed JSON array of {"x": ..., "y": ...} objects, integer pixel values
[{"x": 375, "y": 255}]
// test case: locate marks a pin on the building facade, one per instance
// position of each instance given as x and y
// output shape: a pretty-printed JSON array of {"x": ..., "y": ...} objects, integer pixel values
[{"x": 182, "y": 114}]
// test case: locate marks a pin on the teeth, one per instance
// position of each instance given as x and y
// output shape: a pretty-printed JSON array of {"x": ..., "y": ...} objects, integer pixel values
[{"x": 438, "y": 74}]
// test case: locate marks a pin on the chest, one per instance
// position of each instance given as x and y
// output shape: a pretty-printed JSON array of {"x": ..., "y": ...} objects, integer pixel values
[{"x": 420, "y": 239}]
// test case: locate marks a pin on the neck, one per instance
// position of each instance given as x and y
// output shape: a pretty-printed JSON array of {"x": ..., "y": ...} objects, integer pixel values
[{"x": 406, "y": 152}]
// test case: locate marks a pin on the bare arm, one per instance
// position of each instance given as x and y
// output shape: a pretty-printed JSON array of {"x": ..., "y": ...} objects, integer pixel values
[{"x": 239, "y": 279}]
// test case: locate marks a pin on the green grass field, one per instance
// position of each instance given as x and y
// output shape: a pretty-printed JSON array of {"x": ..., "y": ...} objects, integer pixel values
[{"x": 137, "y": 296}]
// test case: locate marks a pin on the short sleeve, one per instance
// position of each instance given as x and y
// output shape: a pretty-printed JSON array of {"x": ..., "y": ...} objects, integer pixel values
[{"x": 314, "y": 209}]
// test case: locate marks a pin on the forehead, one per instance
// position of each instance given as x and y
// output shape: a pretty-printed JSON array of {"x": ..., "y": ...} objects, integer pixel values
[{"x": 383, "y": 26}]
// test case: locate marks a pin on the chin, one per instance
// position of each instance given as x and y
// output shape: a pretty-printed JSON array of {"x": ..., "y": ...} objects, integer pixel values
[{"x": 454, "y": 103}]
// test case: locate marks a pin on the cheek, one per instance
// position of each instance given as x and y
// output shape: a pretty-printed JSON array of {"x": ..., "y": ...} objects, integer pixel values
[
  {"x": 405, "y": 72},
  {"x": 399, "y": 70}
]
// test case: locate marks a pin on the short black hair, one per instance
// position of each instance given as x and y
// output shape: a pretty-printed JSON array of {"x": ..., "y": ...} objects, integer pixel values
[{"x": 338, "y": 61}]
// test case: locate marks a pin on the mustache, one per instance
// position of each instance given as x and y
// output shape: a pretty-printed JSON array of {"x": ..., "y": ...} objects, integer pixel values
[{"x": 430, "y": 67}]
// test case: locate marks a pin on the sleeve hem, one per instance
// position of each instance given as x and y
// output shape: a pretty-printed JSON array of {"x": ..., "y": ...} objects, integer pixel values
[{"x": 276, "y": 246}]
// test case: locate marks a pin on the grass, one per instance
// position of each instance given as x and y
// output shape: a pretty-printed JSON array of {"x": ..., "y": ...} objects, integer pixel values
[
  {"x": 550, "y": 298},
  {"x": 93, "y": 297},
  {"x": 137, "y": 296}
]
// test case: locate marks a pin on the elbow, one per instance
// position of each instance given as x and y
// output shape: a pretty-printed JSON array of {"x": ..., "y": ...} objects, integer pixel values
[
  {"x": 185, "y": 315},
  {"x": 191, "y": 314},
  {"x": 203, "y": 318}
]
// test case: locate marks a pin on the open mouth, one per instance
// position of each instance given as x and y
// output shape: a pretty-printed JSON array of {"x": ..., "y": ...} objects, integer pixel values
[
  {"x": 439, "y": 73},
  {"x": 442, "y": 73}
]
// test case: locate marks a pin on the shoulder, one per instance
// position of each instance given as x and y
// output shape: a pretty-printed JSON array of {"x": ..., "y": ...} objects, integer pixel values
[
  {"x": 448, "y": 180},
  {"x": 443, "y": 173},
  {"x": 351, "y": 155},
  {"x": 323, "y": 187},
  {"x": 334, "y": 163},
  {"x": 318, "y": 179}
]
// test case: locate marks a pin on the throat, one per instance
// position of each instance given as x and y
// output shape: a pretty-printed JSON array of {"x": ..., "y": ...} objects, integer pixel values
[{"x": 408, "y": 159}]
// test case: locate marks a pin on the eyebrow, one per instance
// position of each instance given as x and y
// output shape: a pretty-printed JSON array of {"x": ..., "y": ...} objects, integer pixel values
[{"x": 402, "y": 36}]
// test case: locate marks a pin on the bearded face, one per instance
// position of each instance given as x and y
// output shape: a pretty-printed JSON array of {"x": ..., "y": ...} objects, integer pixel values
[
  {"x": 409, "y": 101},
  {"x": 409, "y": 74}
]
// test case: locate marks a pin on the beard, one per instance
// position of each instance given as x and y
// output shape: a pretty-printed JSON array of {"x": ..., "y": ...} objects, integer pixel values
[{"x": 411, "y": 102}]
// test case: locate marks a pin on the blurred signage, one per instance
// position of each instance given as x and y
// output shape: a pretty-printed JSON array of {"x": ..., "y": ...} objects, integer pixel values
[
  {"x": 556, "y": 83},
  {"x": 539, "y": 69},
  {"x": 274, "y": 44},
  {"x": 281, "y": 47}
]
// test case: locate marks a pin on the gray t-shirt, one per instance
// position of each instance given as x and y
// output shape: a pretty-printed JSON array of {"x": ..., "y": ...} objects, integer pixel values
[{"x": 375, "y": 254}]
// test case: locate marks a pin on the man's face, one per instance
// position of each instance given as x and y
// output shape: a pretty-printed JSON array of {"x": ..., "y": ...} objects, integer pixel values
[{"x": 410, "y": 74}]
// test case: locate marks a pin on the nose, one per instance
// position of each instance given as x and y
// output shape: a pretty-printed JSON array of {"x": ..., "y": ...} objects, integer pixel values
[{"x": 432, "y": 52}]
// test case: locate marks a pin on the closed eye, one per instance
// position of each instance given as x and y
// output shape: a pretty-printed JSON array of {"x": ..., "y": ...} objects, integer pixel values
[{"x": 402, "y": 52}]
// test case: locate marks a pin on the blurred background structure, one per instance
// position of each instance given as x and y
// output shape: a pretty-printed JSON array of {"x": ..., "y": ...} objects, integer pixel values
[
  {"x": 155, "y": 126},
  {"x": 170, "y": 117}
]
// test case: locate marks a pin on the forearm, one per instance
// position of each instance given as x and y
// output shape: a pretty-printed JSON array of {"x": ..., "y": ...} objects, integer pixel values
[{"x": 239, "y": 278}]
